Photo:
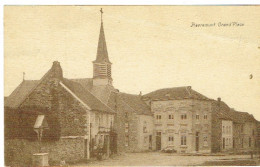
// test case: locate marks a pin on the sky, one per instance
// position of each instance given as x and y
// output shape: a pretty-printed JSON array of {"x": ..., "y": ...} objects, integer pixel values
[{"x": 151, "y": 47}]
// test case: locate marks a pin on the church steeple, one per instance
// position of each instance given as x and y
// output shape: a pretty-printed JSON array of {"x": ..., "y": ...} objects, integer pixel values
[{"x": 102, "y": 65}]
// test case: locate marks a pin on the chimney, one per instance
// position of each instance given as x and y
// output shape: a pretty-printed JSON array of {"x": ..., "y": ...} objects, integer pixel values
[
  {"x": 57, "y": 70},
  {"x": 219, "y": 99},
  {"x": 140, "y": 94},
  {"x": 189, "y": 87}
]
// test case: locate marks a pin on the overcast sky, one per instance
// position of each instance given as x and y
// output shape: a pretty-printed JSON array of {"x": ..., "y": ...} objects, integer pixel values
[{"x": 151, "y": 47}]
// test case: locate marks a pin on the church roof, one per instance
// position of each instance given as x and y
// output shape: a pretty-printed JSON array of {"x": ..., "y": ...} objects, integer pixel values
[
  {"x": 86, "y": 96},
  {"x": 175, "y": 94},
  {"x": 102, "y": 55},
  {"x": 107, "y": 94}
]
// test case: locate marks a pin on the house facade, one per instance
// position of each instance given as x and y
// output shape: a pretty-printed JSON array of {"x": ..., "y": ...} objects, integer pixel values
[
  {"x": 232, "y": 130},
  {"x": 182, "y": 119}
]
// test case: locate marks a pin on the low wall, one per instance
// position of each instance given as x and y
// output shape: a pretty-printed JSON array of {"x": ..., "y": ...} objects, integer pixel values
[{"x": 18, "y": 152}]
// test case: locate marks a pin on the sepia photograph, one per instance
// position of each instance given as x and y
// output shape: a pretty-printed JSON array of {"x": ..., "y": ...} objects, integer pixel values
[{"x": 131, "y": 85}]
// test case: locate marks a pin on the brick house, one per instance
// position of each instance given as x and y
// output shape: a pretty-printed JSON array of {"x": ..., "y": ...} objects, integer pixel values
[{"x": 182, "y": 119}]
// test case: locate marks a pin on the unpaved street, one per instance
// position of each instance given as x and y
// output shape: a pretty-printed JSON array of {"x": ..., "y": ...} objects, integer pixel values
[{"x": 158, "y": 159}]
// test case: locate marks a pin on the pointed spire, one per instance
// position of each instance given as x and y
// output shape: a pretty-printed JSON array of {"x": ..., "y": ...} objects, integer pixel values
[
  {"x": 23, "y": 76},
  {"x": 102, "y": 55}
]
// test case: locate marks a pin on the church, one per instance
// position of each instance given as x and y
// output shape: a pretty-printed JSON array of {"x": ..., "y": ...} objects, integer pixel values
[{"x": 78, "y": 116}]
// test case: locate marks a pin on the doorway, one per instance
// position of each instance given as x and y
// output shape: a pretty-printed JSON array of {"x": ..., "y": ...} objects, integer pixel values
[
  {"x": 197, "y": 141},
  {"x": 158, "y": 140},
  {"x": 150, "y": 142}
]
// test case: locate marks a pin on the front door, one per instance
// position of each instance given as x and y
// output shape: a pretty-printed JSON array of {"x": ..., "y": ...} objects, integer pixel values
[
  {"x": 158, "y": 140},
  {"x": 150, "y": 142},
  {"x": 197, "y": 141}
]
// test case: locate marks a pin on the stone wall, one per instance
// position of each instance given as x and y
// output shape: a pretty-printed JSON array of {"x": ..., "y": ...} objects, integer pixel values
[{"x": 18, "y": 152}]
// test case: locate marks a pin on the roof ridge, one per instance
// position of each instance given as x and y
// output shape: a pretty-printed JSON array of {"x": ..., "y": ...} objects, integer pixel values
[
  {"x": 44, "y": 76},
  {"x": 77, "y": 78}
]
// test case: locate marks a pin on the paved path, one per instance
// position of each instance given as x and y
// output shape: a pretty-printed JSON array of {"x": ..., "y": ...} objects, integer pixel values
[{"x": 158, "y": 159}]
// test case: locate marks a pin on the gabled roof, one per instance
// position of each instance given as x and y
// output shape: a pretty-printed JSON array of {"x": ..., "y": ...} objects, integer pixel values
[
  {"x": 20, "y": 93},
  {"x": 175, "y": 94},
  {"x": 227, "y": 113},
  {"x": 222, "y": 110},
  {"x": 241, "y": 117},
  {"x": 136, "y": 103},
  {"x": 86, "y": 96},
  {"x": 102, "y": 55},
  {"x": 101, "y": 92}
]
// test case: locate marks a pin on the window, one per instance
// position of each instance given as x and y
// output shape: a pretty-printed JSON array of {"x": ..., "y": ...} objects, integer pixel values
[
  {"x": 183, "y": 140},
  {"x": 223, "y": 129},
  {"x": 197, "y": 117},
  {"x": 126, "y": 140},
  {"x": 205, "y": 140},
  {"x": 126, "y": 127},
  {"x": 242, "y": 143},
  {"x": 126, "y": 115},
  {"x": 145, "y": 127},
  {"x": 158, "y": 118},
  {"x": 253, "y": 132},
  {"x": 205, "y": 116},
  {"x": 183, "y": 116},
  {"x": 170, "y": 140},
  {"x": 249, "y": 142},
  {"x": 171, "y": 116},
  {"x": 242, "y": 128}
]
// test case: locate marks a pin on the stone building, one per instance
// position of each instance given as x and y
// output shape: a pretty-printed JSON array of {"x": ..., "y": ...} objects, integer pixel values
[
  {"x": 82, "y": 114},
  {"x": 75, "y": 118},
  {"x": 182, "y": 119},
  {"x": 232, "y": 130}
]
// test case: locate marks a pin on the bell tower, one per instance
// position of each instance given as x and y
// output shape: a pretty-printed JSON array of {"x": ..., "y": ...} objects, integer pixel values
[{"x": 102, "y": 66}]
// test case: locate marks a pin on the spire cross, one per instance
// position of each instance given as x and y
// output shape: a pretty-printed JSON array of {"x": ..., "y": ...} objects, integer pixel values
[{"x": 101, "y": 11}]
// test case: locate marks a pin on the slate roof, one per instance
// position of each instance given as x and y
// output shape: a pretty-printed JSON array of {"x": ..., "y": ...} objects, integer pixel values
[
  {"x": 135, "y": 102},
  {"x": 101, "y": 92},
  {"x": 102, "y": 55},
  {"x": 20, "y": 93},
  {"x": 175, "y": 94},
  {"x": 86, "y": 96},
  {"x": 107, "y": 94},
  {"x": 221, "y": 110},
  {"x": 227, "y": 113}
]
